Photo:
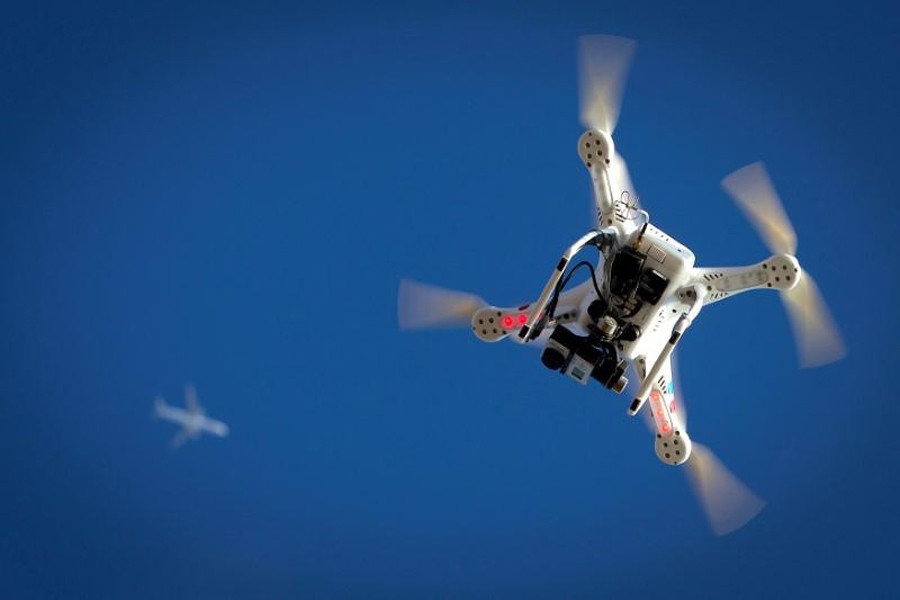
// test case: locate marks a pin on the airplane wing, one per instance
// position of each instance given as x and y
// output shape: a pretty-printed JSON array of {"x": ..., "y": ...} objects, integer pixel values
[
  {"x": 159, "y": 406},
  {"x": 180, "y": 438},
  {"x": 190, "y": 399}
]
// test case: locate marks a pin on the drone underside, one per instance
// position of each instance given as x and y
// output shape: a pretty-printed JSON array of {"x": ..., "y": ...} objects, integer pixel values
[{"x": 627, "y": 318}]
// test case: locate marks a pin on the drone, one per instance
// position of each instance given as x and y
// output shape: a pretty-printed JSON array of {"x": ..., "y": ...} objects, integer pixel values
[{"x": 643, "y": 292}]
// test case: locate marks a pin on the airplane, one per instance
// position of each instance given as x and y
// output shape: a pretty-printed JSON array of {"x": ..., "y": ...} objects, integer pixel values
[
  {"x": 193, "y": 421},
  {"x": 626, "y": 319}
]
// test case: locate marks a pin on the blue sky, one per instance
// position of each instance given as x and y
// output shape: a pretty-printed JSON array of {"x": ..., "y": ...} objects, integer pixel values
[{"x": 229, "y": 193}]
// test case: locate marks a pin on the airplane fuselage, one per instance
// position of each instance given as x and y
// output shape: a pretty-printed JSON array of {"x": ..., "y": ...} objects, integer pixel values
[{"x": 194, "y": 422}]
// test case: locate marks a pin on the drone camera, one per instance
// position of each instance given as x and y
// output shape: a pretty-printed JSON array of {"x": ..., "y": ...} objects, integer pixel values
[{"x": 583, "y": 358}]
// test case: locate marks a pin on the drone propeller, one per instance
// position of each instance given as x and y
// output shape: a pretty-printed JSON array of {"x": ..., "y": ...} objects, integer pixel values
[
  {"x": 818, "y": 339},
  {"x": 622, "y": 178},
  {"x": 726, "y": 502},
  {"x": 423, "y": 306},
  {"x": 604, "y": 62},
  {"x": 752, "y": 190},
  {"x": 603, "y": 70}
]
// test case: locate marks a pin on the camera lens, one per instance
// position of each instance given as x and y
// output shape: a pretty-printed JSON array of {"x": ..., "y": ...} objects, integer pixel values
[{"x": 553, "y": 359}]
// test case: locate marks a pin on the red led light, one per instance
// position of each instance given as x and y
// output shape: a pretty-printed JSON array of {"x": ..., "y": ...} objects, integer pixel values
[
  {"x": 522, "y": 318},
  {"x": 665, "y": 428},
  {"x": 508, "y": 321}
]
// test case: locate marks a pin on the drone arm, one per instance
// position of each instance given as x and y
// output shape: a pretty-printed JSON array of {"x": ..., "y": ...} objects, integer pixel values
[
  {"x": 778, "y": 272},
  {"x": 537, "y": 312},
  {"x": 695, "y": 297},
  {"x": 673, "y": 444},
  {"x": 596, "y": 150}
]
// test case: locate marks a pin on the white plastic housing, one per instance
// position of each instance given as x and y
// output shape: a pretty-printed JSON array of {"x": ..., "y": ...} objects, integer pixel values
[
  {"x": 673, "y": 449},
  {"x": 596, "y": 148},
  {"x": 492, "y": 324},
  {"x": 778, "y": 272},
  {"x": 676, "y": 262}
]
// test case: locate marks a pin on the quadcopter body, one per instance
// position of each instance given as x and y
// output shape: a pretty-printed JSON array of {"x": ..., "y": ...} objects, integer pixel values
[
  {"x": 644, "y": 291},
  {"x": 650, "y": 293}
]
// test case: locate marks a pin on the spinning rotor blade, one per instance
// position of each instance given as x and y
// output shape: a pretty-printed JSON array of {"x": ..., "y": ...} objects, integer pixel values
[
  {"x": 619, "y": 172},
  {"x": 423, "y": 306},
  {"x": 728, "y": 503},
  {"x": 752, "y": 190},
  {"x": 603, "y": 68},
  {"x": 818, "y": 339}
]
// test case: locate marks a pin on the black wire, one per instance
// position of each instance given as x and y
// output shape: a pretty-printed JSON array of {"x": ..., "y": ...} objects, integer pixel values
[{"x": 565, "y": 281}]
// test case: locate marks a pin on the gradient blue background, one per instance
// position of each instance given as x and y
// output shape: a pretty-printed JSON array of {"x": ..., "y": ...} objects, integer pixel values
[{"x": 229, "y": 193}]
